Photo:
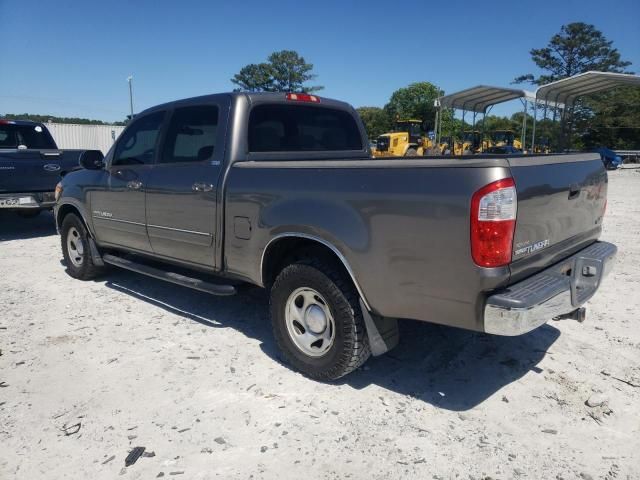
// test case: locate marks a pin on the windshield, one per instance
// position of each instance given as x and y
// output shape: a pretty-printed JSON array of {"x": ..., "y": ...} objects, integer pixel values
[
  {"x": 471, "y": 136},
  {"x": 506, "y": 137},
  {"x": 25, "y": 136}
]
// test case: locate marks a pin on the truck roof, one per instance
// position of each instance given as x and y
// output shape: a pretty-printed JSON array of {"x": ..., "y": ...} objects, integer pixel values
[
  {"x": 253, "y": 97},
  {"x": 24, "y": 123}
]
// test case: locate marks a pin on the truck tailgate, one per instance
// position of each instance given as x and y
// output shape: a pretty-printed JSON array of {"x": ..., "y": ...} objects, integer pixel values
[
  {"x": 561, "y": 201},
  {"x": 34, "y": 170}
]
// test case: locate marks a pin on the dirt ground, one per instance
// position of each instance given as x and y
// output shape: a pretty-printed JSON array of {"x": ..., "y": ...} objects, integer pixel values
[{"x": 89, "y": 370}]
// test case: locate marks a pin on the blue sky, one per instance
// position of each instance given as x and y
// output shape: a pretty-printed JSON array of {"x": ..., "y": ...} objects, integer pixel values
[{"x": 72, "y": 58}]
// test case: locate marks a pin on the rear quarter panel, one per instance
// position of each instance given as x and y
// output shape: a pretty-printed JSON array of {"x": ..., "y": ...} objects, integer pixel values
[{"x": 402, "y": 226}]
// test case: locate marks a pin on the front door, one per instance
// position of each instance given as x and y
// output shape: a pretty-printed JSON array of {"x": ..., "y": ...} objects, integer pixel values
[
  {"x": 182, "y": 188},
  {"x": 118, "y": 206}
]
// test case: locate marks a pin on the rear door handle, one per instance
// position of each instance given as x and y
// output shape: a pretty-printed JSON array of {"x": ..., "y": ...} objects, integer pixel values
[
  {"x": 134, "y": 185},
  {"x": 201, "y": 187}
]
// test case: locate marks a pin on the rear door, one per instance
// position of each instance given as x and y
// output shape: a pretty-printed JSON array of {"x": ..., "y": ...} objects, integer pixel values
[
  {"x": 561, "y": 201},
  {"x": 118, "y": 206},
  {"x": 182, "y": 189},
  {"x": 29, "y": 160}
]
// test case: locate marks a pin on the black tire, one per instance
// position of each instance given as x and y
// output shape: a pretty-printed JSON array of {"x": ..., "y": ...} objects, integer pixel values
[
  {"x": 31, "y": 213},
  {"x": 81, "y": 266},
  {"x": 350, "y": 348},
  {"x": 411, "y": 152}
]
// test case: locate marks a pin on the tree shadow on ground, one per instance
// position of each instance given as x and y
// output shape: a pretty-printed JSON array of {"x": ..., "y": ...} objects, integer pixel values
[
  {"x": 15, "y": 227},
  {"x": 446, "y": 367}
]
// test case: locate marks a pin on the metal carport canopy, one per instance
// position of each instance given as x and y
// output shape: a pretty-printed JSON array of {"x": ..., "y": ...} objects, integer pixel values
[
  {"x": 568, "y": 89},
  {"x": 478, "y": 99}
]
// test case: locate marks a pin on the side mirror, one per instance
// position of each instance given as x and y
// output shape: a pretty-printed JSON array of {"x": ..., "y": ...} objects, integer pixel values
[{"x": 91, "y": 160}]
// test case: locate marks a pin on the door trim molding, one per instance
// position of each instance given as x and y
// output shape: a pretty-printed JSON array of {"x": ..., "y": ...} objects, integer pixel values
[
  {"x": 180, "y": 230},
  {"x": 99, "y": 217}
]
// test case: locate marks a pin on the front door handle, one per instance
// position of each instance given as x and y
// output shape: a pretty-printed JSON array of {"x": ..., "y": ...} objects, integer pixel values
[
  {"x": 134, "y": 185},
  {"x": 201, "y": 187}
]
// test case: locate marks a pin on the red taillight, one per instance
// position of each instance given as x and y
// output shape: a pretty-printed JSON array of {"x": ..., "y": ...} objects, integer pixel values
[
  {"x": 493, "y": 222},
  {"x": 303, "y": 97}
]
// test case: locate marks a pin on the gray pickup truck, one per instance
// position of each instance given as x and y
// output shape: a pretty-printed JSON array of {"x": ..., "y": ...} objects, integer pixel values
[
  {"x": 280, "y": 191},
  {"x": 30, "y": 166}
]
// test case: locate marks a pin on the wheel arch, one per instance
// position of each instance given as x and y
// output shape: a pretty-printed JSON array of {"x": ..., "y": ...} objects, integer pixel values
[
  {"x": 285, "y": 246},
  {"x": 65, "y": 209}
]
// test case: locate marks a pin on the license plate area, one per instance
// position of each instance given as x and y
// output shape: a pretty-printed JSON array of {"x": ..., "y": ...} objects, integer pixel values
[{"x": 8, "y": 202}]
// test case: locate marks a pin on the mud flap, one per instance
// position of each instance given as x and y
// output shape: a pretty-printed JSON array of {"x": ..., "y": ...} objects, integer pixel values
[
  {"x": 96, "y": 258},
  {"x": 383, "y": 332}
]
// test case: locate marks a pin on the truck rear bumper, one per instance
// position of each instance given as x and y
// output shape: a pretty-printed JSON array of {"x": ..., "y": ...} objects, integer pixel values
[
  {"x": 26, "y": 201},
  {"x": 554, "y": 292}
]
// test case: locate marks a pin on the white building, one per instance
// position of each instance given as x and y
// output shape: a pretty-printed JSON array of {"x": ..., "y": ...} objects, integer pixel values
[{"x": 90, "y": 137}]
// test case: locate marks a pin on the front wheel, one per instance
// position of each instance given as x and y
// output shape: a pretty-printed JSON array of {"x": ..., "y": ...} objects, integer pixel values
[
  {"x": 75, "y": 249},
  {"x": 411, "y": 152},
  {"x": 317, "y": 320}
]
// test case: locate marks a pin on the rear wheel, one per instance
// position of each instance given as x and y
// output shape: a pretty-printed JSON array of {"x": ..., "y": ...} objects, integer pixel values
[
  {"x": 411, "y": 152},
  {"x": 75, "y": 249},
  {"x": 317, "y": 320}
]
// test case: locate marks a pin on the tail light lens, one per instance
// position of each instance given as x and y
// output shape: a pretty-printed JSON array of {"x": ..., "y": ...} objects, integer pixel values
[
  {"x": 302, "y": 97},
  {"x": 493, "y": 222}
]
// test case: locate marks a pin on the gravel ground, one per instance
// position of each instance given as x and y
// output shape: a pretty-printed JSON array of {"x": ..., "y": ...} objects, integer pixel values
[{"x": 89, "y": 370}]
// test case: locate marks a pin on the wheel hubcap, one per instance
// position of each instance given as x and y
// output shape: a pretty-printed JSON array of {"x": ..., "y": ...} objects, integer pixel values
[
  {"x": 309, "y": 322},
  {"x": 75, "y": 247}
]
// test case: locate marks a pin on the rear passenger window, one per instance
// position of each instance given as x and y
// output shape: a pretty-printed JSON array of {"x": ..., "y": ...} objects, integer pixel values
[
  {"x": 191, "y": 136},
  {"x": 298, "y": 128}
]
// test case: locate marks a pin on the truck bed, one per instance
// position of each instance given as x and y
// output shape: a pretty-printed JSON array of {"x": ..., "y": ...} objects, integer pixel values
[{"x": 403, "y": 224}]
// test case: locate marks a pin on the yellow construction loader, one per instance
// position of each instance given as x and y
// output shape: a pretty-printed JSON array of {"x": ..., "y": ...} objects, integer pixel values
[
  {"x": 407, "y": 140},
  {"x": 503, "y": 138},
  {"x": 471, "y": 143}
]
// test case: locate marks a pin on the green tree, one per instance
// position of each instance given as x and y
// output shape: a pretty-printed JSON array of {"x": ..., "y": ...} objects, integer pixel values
[
  {"x": 285, "y": 71},
  {"x": 376, "y": 121},
  {"x": 255, "y": 78},
  {"x": 414, "y": 101},
  {"x": 35, "y": 117},
  {"x": 578, "y": 48},
  {"x": 615, "y": 120}
]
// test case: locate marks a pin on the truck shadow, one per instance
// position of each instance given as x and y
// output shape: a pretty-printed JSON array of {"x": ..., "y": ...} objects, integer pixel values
[
  {"x": 446, "y": 367},
  {"x": 452, "y": 368},
  {"x": 15, "y": 227}
]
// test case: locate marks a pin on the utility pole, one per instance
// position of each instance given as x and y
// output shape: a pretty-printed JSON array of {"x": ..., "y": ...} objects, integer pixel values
[{"x": 130, "y": 79}]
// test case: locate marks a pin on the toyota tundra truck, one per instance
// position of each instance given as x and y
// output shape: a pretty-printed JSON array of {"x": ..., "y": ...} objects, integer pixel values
[
  {"x": 30, "y": 166},
  {"x": 281, "y": 191}
]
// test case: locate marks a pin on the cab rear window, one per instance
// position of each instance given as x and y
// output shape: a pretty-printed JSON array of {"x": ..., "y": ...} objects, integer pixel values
[
  {"x": 25, "y": 136},
  {"x": 298, "y": 128}
]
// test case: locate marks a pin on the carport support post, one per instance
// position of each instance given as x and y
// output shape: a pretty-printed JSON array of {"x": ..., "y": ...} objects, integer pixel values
[
  {"x": 484, "y": 115},
  {"x": 462, "y": 133},
  {"x": 523, "y": 132},
  {"x": 473, "y": 128},
  {"x": 435, "y": 129},
  {"x": 533, "y": 133}
]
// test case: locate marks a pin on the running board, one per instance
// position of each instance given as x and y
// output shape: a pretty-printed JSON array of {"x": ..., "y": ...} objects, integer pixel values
[{"x": 189, "y": 282}]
